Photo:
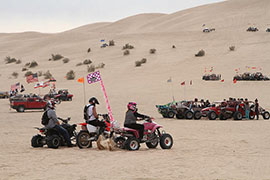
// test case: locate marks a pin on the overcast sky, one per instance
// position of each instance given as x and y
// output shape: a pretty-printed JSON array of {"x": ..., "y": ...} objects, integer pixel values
[{"x": 61, "y": 15}]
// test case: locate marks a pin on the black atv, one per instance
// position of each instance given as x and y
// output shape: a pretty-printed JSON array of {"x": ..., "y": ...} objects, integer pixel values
[{"x": 52, "y": 137}]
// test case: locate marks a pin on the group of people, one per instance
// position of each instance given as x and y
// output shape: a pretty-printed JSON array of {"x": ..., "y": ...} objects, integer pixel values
[
  {"x": 132, "y": 116},
  {"x": 245, "y": 104}
]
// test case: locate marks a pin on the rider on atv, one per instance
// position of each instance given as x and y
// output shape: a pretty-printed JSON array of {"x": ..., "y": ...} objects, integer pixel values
[
  {"x": 54, "y": 123},
  {"x": 132, "y": 116},
  {"x": 92, "y": 114}
]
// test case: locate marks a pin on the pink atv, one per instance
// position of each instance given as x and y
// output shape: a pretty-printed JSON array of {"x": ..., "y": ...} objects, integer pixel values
[{"x": 127, "y": 138}]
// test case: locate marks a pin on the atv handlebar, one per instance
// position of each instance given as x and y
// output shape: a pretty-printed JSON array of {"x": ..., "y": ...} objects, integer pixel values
[{"x": 64, "y": 120}]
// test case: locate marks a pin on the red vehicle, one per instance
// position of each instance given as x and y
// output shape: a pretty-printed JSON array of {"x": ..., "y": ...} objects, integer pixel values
[
  {"x": 226, "y": 111},
  {"x": 28, "y": 103}
]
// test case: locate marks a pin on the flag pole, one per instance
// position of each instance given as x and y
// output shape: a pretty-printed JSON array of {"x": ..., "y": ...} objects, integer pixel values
[
  {"x": 172, "y": 89},
  {"x": 185, "y": 92},
  {"x": 84, "y": 91}
]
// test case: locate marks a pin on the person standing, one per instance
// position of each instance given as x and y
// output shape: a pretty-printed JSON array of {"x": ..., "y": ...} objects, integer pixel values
[
  {"x": 247, "y": 108},
  {"x": 257, "y": 108}
]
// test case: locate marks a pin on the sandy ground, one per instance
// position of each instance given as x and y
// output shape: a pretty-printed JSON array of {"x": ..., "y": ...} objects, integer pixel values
[{"x": 202, "y": 149}]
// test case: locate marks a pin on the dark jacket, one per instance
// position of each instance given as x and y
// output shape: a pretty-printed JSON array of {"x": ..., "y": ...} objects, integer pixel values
[{"x": 131, "y": 117}]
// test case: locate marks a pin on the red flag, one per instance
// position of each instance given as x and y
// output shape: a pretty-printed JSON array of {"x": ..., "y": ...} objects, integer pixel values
[
  {"x": 222, "y": 80},
  {"x": 183, "y": 83},
  {"x": 253, "y": 68},
  {"x": 234, "y": 81},
  {"x": 15, "y": 86},
  {"x": 190, "y": 82}
]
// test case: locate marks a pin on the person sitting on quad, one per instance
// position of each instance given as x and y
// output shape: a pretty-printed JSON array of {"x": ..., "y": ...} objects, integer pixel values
[
  {"x": 92, "y": 114},
  {"x": 54, "y": 123},
  {"x": 132, "y": 116}
]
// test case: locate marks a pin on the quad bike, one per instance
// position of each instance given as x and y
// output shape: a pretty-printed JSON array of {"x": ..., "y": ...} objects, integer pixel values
[
  {"x": 127, "y": 138},
  {"x": 52, "y": 137},
  {"x": 90, "y": 133}
]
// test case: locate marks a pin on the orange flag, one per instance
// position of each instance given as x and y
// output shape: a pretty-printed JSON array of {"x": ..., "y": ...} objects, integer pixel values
[
  {"x": 81, "y": 80},
  {"x": 234, "y": 81}
]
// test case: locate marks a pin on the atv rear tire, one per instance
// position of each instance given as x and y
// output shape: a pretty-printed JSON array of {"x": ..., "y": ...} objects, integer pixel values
[
  {"x": 266, "y": 115},
  {"x": 82, "y": 139},
  {"x": 36, "y": 141},
  {"x": 212, "y": 115},
  {"x": 197, "y": 115},
  {"x": 188, "y": 114},
  {"x": 238, "y": 115},
  {"x": 166, "y": 141},
  {"x": 132, "y": 144},
  {"x": 53, "y": 141},
  {"x": 170, "y": 114}
]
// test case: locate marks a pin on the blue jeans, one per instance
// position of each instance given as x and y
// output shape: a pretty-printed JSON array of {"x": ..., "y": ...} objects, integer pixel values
[
  {"x": 64, "y": 133},
  {"x": 247, "y": 114}
]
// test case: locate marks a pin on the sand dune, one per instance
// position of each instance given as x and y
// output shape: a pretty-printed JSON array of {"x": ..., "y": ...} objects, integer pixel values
[{"x": 203, "y": 149}]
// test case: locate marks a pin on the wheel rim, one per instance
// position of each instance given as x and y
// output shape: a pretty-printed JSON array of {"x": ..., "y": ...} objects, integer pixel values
[
  {"x": 213, "y": 115},
  {"x": 170, "y": 114},
  {"x": 134, "y": 145},
  {"x": 56, "y": 142},
  {"x": 239, "y": 116},
  {"x": 197, "y": 115},
  {"x": 167, "y": 141},
  {"x": 189, "y": 115},
  {"x": 84, "y": 139},
  {"x": 266, "y": 115}
]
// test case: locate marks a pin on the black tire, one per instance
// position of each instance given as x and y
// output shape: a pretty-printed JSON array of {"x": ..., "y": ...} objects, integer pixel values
[
  {"x": 188, "y": 114},
  {"x": 82, "y": 139},
  {"x": 132, "y": 144},
  {"x": 36, "y": 141},
  {"x": 266, "y": 115},
  {"x": 53, "y": 141},
  {"x": 166, "y": 141},
  {"x": 153, "y": 144},
  {"x": 251, "y": 115},
  {"x": 212, "y": 115},
  {"x": 238, "y": 115},
  {"x": 120, "y": 142},
  {"x": 170, "y": 114},
  {"x": 197, "y": 115},
  {"x": 20, "y": 109},
  {"x": 222, "y": 117},
  {"x": 179, "y": 116},
  {"x": 70, "y": 99},
  {"x": 164, "y": 116}
]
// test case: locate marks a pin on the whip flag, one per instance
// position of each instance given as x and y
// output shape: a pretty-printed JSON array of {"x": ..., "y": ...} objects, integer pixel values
[{"x": 95, "y": 77}]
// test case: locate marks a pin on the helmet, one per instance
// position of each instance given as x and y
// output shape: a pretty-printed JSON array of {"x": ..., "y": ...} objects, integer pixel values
[
  {"x": 93, "y": 100},
  {"x": 132, "y": 106},
  {"x": 51, "y": 104}
]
